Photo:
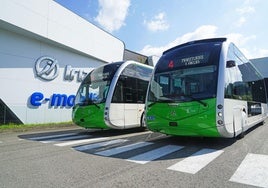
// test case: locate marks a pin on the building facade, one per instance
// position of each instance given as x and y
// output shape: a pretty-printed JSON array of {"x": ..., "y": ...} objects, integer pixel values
[{"x": 45, "y": 52}]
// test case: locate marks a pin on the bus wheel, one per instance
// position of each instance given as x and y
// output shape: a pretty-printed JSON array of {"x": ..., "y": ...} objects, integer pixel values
[
  {"x": 243, "y": 124},
  {"x": 142, "y": 122},
  {"x": 262, "y": 123},
  {"x": 241, "y": 135}
]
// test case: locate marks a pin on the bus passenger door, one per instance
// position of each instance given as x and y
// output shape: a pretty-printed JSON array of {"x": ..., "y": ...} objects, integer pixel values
[
  {"x": 131, "y": 115},
  {"x": 123, "y": 110},
  {"x": 116, "y": 115},
  {"x": 130, "y": 99}
]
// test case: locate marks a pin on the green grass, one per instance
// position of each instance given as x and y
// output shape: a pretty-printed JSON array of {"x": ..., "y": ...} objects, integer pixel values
[{"x": 27, "y": 127}]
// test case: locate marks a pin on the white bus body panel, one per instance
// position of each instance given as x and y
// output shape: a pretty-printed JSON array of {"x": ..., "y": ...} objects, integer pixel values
[
  {"x": 116, "y": 115},
  {"x": 123, "y": 116},
  {"x": 233, "y": 115},
  {"x": 131, "y": 114},
  {"x": 235, "y": 121},
  {"x": 225, "y": 130}
]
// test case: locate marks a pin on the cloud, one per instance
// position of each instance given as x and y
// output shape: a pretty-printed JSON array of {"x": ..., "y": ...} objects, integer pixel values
[
  {"x": 262, "y": 53},
  {"x": 112, "y": 14},
  {"x": 244, "y": 43},
  {"x": 247, "y": 45},
  {"x": 244, "y": 12},
  {"x": 205, "y": 31},
  {"x": 241, "y": 21},
  {"x": 158, "y": 23},
  {"x": 239, "y": 40},
  {"x": 254, "y": 53}
]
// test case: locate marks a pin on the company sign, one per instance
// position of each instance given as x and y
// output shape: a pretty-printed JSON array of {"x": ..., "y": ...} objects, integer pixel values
[
  {"x": 47, "y": 68},
  {"x": 55, "y": 100}
]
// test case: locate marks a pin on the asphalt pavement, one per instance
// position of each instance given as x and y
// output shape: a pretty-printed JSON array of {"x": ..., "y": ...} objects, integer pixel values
[{"x": 74, "y": 157}]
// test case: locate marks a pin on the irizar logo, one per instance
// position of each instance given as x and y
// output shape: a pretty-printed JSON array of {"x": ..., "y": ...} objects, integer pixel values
[
  {"x": 47, "y": 68},
  {"x": 70, "y": 74}
]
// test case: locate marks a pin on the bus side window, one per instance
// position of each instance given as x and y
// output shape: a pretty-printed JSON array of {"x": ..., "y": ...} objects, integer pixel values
[
  {"x": 128, "y": 94},
  {"x": 141, "y": 90},
  {"x": 130, "y": 90},
  {"x": 118, "y": 93},
  {"x": 229, "y": 91}
]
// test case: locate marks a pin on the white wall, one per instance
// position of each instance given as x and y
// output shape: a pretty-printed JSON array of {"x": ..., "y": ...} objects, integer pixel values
[
  {"x": 50, "y": 20},
  {"x": 31, "y": 29},
  {"x": 18, "y": 79}
]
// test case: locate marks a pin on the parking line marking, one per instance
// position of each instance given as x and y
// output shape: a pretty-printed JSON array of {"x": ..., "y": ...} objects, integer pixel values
[
  {"x": 99, "y": 144},
  {"x": 39, "y": 138},
  {"x": 154, "y": 154},
  {"x": 91, "y": 140},
  {"x": 252, "y": 171},
  {"x": 65, "y": 138},
  {"x": 122, "y": 149},
  {"x": 74, "y": 142},
  {"x": 196, "y": 161}
]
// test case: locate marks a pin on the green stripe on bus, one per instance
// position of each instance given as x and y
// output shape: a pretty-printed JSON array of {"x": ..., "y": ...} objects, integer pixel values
[{"x": 90, "y": 116}]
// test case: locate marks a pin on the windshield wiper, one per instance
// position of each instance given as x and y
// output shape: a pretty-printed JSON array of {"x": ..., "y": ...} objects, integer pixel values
[
  {"x": 197, "y": 100},
  {"x": 89, "y": 102},
  {"x": 160, "y": 101},
  {"x": 95, "y": 105},
  {"x": 170, "y": 100}
]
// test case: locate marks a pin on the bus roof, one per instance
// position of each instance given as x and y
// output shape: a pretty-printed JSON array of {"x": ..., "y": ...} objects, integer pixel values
[{"x": 196, "y": 42}]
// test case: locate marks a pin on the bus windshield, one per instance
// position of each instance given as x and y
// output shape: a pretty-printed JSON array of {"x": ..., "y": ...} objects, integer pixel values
[
  {"x": 184, "y": 85},
  {"x": 94, "y": 88},
  {"x": 186, "y": 74}
]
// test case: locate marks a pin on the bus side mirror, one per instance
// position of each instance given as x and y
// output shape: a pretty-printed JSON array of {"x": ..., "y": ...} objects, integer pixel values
[{"x": 230, "y": 64}]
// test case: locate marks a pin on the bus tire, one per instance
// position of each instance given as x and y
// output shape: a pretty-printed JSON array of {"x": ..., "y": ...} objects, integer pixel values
[
  {"x": 262, "y": 123},
  {"x": 241, "y": 135},
  {"x": 243, "y": 124},
  {"x": 142, "y": 122}
]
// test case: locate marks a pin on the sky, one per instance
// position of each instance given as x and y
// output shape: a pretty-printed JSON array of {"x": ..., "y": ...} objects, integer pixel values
[{"x": 150, "y": 27}]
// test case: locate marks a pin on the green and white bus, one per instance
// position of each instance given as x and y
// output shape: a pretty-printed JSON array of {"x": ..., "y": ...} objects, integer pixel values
[
  {"x": 205, "y": 88},
  {"x": 113, "y": 96}
]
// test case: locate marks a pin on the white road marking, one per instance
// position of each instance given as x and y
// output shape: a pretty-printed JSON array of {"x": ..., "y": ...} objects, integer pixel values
[
  {"x": 65, "y": 138},
  {"x": 197, "y": 161},
  {"x": 122, "y": 149},
  {"x": 252, "y": 171},
  {"x": 74, "y": 142},
  {"x": 92, "y": 140},
  {"x": 52, "y": 136},
  {"x": 99, "y": 144},
  {"x": 154, "y": 154}
]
